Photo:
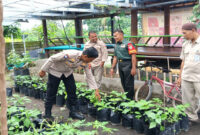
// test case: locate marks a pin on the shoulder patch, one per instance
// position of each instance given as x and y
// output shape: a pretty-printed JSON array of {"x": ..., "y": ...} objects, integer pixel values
[{"x": 131, "y": 49}]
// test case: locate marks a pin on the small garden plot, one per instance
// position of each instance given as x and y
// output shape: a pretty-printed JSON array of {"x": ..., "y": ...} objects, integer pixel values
[
  {"x": 148, "y": 117},
  {"x": 22, "y": 121}
]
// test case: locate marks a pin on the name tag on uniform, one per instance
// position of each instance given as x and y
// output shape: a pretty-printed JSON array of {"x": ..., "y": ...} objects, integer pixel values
[
  {"x": 123, "y": 46},
  {"x": 197, "y": 58}
]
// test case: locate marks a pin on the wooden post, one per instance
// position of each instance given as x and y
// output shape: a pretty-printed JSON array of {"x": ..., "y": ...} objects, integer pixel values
[
  {"x": 112, "y": 27},
  {"x": 44, "y": 24},
  {"x": 3, "y": 101},
  {"x": 166, "y": 40},
  {"x": 79, "y": 30},
  {"x": 134, "y": 24}
]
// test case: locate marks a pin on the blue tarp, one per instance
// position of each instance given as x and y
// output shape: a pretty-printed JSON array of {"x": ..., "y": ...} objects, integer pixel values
[{"x": 68, "y": 47}]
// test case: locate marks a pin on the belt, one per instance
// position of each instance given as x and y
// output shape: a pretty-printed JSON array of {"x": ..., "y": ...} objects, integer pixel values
[{"x": 121, "y": 60}]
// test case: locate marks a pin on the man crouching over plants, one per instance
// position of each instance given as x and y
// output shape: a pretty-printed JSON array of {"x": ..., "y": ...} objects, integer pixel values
[{"x": 60, "y": 67}]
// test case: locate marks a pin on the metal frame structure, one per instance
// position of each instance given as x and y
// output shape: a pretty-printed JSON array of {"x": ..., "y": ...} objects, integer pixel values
[{"x": 21, "y": 10}]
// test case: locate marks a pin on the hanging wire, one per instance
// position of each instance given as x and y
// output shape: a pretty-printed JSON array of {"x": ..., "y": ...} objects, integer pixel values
[{"x": 65, "y": 32}]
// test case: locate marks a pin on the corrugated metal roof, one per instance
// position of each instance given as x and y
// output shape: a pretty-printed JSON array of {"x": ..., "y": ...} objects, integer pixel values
[{"x": 21, "y": 10}]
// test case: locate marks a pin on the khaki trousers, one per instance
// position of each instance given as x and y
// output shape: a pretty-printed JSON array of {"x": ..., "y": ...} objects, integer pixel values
[
  {"x": 97, "y": 73},
  {"x": 191, "y": 95}
]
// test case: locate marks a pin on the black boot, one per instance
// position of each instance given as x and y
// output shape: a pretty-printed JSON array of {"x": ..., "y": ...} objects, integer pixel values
[
  {"x": 74, "y": 114},
  {"x": 47, "y": 115}
]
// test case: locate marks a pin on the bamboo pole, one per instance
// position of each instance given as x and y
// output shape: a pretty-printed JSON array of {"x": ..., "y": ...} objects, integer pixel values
[{"x": 3, "y": 114}]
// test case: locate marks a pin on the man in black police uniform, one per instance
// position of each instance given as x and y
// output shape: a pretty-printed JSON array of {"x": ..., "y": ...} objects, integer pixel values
[{"x": 125, "y": 55}]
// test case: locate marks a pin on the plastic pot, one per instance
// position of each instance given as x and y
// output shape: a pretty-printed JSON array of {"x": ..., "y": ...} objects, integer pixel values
[
  {"x": 127, "y": 120},
  {"x": 26, "y": 91},
  {"x": 9, "y": 92},
  {"x": 17, "y": 72},
  {"x": 92, "y": 110},
  {"x": 41, "y": 95},
  {"x": 31, "y": 92},
  {"x": 103, "y": 115},
  {"x": 115, "y": 117},
  {"x": 184, "y": 123},
  {"x": 16, "y": 89},
  {"x": 24, "y": 71},
  {"x": 21, "y": 89},
  {"x": 152, "y": 131},
  {"x": 168, "y": 131},
  {"x": 60, "y": 100},
  {"x": 82, "y": 105},
  {"x": 44, "y": 95},
  {"x": 139, "y": 125},
  {"x": 176, "y": 127},
  {"x": 36, "y": 94}
]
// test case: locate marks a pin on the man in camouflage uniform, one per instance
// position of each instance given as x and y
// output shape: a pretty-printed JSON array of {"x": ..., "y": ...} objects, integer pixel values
[
  {"x": 60, "y": 67},
  {"x": 125, "y": 56},
  {"x": 97, "y": 65}
]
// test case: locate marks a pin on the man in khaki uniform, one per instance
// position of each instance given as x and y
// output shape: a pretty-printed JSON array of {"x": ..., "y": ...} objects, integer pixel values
[
  {"x": 190, "y": 70},
  {"x": 97, "y": 64},
  {"x": 60, "y": 67}
]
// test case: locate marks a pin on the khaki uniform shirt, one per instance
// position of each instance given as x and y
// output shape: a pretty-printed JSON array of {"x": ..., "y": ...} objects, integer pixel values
[
  {"x": 191, "y": 56},
  {"x": 102, "y": 52},
  {"x": 65, "y": 62}
]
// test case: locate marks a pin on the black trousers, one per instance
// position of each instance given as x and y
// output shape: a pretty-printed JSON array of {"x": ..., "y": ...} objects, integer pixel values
[
  {"x": 52, "y": 88},
  {"x": 127, "y": 79}
]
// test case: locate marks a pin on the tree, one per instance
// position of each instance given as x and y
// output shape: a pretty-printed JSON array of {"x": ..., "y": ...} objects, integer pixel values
[
  {"x": 12, "y": 29},
  {"x": 3, "y": 107},
  {"x": 196, "y": 15}
]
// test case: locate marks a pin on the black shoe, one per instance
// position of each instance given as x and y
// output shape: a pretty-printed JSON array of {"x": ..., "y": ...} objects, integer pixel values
[
  {"x": 76, "y": 115},
  {"x": 48, "y": 118}
]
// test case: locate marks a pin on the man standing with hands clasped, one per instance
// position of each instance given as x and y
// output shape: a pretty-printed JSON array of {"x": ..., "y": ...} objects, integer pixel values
[
  {"x": 97, "y": 64},
  {"x": 60, "y": 67},
  {"x": 125, "y": 56},
  {"x": 189, "y": 78}
]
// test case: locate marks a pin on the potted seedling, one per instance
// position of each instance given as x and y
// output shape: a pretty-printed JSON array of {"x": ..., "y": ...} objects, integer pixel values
[
  {"x": 60, "y": 97},
  {"x": 103, "y": 109},
  {"x": 127, "y": 114}
]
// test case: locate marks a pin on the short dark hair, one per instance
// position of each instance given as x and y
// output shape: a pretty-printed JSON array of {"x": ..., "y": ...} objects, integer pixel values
[
  {"x": 119, "y": 30},
  {"x": 91, "y": 32},
  {"x": 189, "y": 26},
  {"x": 91, "y": 52}
]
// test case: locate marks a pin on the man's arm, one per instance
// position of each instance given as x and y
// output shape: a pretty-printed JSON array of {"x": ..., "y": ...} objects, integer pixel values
[
  {"x": 104, "y": 52},
  {"x": 179, "y": 79},
  {"x": 134, "y": 62},
  {"x": 113, "y": 65},
  {"x": 91, "y": 81},
  {"x": 90, "y": 78}
]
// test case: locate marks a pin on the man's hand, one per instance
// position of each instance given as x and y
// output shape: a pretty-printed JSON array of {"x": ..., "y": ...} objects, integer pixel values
[
  {"x": 102, "y": 64},
  {"x": 89, "y": 66},
  {"x": 97, "y": 94},
  {"x": 42, "y": 73},
  {"x": 111, "y": 72},
  {"x": 133, "y": 71},
  {"x": 179, "y": 82}
]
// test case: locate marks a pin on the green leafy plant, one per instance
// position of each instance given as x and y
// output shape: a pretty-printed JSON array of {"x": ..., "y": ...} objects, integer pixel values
[{"x": 61, "y": 89}]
